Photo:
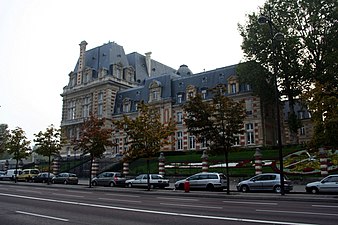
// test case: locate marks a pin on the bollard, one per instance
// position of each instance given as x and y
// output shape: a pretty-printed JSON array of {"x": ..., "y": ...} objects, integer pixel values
[{"x": 186, "y": 186}]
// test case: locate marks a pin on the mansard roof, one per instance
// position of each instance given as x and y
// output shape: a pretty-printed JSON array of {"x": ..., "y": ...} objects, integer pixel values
[{"x": 111, "y": 53}]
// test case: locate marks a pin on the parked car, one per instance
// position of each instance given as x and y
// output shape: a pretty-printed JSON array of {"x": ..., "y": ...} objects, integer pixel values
[
  {"x": 109, "y": 179},
  {"x": 327, "y": 184},
  {"x": 65, "y": 178},
  {"x": 264, "y": 182},
  {"x": 10, "y": 174},
  {"x": 28, "y": 174},
  {"x": 43, "y": 177},
  {"x": 155, "y": 180},
  {"x": 204, "y": 180}
]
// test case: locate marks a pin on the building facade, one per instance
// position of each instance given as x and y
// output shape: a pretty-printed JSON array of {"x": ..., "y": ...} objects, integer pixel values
[{"x": 110, "y": 84}]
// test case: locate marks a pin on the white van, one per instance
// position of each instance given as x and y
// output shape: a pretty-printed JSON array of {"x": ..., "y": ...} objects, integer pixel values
[{"x": 10, "y": 174}]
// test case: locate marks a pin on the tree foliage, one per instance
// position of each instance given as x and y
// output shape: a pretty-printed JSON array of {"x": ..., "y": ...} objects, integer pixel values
[
  {"x": 217, "y": 121},
  {"x": 94, "y": 137},
  {"x": 306, "y": 57},
  {"x": 4, "y": 132},
  {"x": 48, "y": 143},
  {"x": 146, "y": 134},
  {"x": 17, "y": 145}
]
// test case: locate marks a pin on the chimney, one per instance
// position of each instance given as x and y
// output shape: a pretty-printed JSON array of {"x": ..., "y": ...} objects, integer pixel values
[
  {"x": 81, "y": 61},
  {"x": 148, "y": 62}
]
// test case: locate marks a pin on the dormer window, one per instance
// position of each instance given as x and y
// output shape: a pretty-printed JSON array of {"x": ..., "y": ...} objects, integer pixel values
[
  {"x": 179, "y": 98},
  {"x": 155, "y": 89},
  {"x": 126, "y": 105},
  {"x": 233, "y": 85},
  {"x": 191, "y": 92},
  {"x": 204, "y": 94}
]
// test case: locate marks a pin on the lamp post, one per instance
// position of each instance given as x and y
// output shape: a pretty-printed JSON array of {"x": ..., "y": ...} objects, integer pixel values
[{"x": 276, "y": 36}]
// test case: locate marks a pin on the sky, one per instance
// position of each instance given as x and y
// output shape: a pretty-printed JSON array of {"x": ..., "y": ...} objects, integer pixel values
[{"x": 39, "y": 44}]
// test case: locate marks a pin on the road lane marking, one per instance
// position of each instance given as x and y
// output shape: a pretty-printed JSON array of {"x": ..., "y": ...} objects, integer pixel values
[
  {"x": 119, "y": 200},
  {"x": 253, "y": 203},
  {"x": 31, "y": 191},
  {"x": 179, "y": 199},
  {"x": 193, "y": 206},
  {"x": 131, "y": 196},
  {"x": 156, "y": 212},
  {"x": 77, "y": 196},
  {"x": 43, "y": 216},
  {"x": 326, "y": 206},
  {"x": 295, "y": 212}
]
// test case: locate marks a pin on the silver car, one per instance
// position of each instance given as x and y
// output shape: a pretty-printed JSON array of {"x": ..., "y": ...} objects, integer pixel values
[
  {"x": 155, "y": 181},
  {"x": 204, "y": 180},
  {"x": 264, "y": 182},
  {"x": 109, "y": 179},
  {"x": 327, "y": 184}
]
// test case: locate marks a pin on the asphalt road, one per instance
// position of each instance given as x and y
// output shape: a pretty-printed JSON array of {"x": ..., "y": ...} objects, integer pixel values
[{"x": 41, "y": 204}]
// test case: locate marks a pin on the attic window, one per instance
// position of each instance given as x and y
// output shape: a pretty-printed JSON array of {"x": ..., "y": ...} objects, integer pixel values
[
  {"x": 104, "y": 54},
  {"x": 188, "y": 73},
  {"x": 153, "y": 69},
  {"x": 180, "y": 84},
  {"x": 204, "y": 79},
  {"x": 93, "y": 58},
  {"x": 119, "y": 55}
]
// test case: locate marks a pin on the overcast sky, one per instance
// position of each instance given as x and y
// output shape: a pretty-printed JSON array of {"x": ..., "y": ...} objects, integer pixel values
[{"x": 39, "y": 44}]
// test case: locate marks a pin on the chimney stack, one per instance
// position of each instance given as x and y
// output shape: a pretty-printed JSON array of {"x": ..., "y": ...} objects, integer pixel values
[
  {"x": 148, "y": 62},
  {"x": 80, "y": 68}
]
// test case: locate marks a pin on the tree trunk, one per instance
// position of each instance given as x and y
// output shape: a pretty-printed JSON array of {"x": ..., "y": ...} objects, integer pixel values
[
  {"x": 16, "y": 170},
  {"x": 48, "y": 170},
  {"x": 148, "y": 174},
  {"x": 90, "y": 171},
  {"x": 227, "y": 170}
]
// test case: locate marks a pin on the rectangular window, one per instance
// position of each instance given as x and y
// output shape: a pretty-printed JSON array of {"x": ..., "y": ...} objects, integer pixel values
[
  {"x": 179, "y": 117},
  {"x": 100, "y": 97},
  {"x": 248, "y": 106},
  {"x": 100, "y": 109},
  {"x": 250, "y": 134},
  {"x": 192, "y": 142},
  {"x": 300, "y": 115},
  {"x": 204, "y": 143},
  {"x": 204, "y": 94},
  {"x": 179, "y": 136},
  {"x": 236, "y": 140},
  {"x": 86, "y": 107},
  {"x": 233, "y": 88},
  {"x": 71, "y": 110},
  {"x": 302, "y": 131},
  {"x": 179, "y": 98}
]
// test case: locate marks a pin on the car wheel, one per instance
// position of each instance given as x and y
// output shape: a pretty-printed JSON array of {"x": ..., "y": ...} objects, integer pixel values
[
  {"x": 181, "y": 186},
  {"x": 112, "y": 184},
  {"x": 94, "y": 183},
  {"x": 277, "y": 189},
  {"x": 244, "y": 188},
  {"x": 151, "y": 186},
  {"x": 210, "y": 187},
  {"x": 43, "y": 181},
  {"x": 314, "y": 190},
  {"x": 53, "y": 181},
  {"x": 65, "y": 182}
]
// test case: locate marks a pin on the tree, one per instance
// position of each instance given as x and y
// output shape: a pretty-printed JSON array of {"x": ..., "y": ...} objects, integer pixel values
[
  {"x": 307, "y": 55},
  {"x": 146, "y": 134},
  {"x": 93, "y": 139},
  {"x": 48, "y": 144},
  {"x": 3, "y": 137},
  {"x": 18, "y": 146},
  {"x": 217, "y": 121}
]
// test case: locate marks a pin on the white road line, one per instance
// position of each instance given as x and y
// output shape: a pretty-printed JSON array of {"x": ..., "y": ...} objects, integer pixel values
[
  {"x": 30, "y": 191},
  {"x": 119, "y": 200},
  {"x": 131, "y": 196},
  {"x": 83, "y": 192},
  {"x": 326, "y": 206},
  {"x": 156, "y": 212},
  {"x": 295, "y": 212},
  {"x": 179, "y": 199},
  {"x": 253, "y": 203},
  {"x": 43, "y": 216},
  {"x": 192, "y": 206},
  {"x": 76, "y": 196}
]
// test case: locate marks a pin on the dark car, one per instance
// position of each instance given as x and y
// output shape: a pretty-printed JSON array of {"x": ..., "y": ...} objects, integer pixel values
[
  {"x": 43, "y": 177},
  {"x": 264, "y": 182},
  {"x": 109, "y": 179},
  {"x": 65, "y": 178},
  {"x": 155, "y": 180}
]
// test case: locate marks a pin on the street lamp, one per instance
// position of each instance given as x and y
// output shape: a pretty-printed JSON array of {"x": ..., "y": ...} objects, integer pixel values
[{"x": 276, "y": 36}]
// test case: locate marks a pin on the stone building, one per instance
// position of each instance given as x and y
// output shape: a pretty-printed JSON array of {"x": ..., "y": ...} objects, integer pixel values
[{"x": 110, "y": 84}]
